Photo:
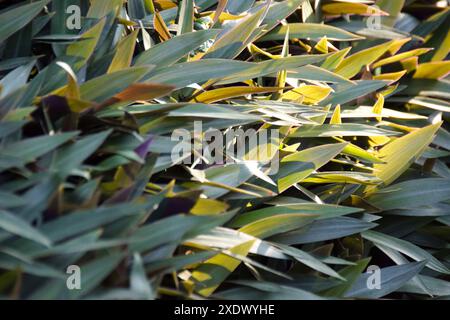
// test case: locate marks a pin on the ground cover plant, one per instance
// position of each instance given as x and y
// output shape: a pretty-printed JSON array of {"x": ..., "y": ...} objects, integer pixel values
[{"x": 109, "y": 189}]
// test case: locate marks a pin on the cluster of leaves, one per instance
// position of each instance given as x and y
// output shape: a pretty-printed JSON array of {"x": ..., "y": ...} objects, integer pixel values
[{"x": 358, "y": 92}]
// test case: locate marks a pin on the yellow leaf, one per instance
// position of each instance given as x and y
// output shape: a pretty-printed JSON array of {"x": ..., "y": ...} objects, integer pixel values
[
  {"x": 72, "y": 90},
  {"x": 432, "y": 70},
  {"x": 209, "y": 207},
  {"x": 442, "y": 52},
  {"x": 378, "y": 107},
  {"x": 305, "y": 46},
  {"x": 352, "y": 65},
  {"x": 161, "y": 28},
  {"x": 126, "y": 22},
  {"x": 84, "y": 48},
  {"x": 397, "y": 45},
  {"x": 124, "y": 54},
  {"x": 280, "y": 223},
  {"x": 121, "y": 180},
  {"x": 401, "y": 152},
  {"x": 322, "y": 45},
  {"x": 210, "y": 274},
  {"x": 352, "y": 8},
  {"x": 378, "y": 141},
  {"x": 389, "y": 90},
  {"x": 401, "y": 56},
  {"x": 254, "y": 49},
  {"x": 220, "y": 8},
  {"x": 138, "y": 92},
  {"x": 395, "y": 76},
  {"x": 150, "y": 6},
  {"x": 336, "y": 117},
  {"x": 308, "y": 94},
  {"x": 77, "y": 105},
  {"x": 220, "y": 94},
  {"x": 410, "y": 64},
  {"x": 224, "y": 16},
  {"x": 165, "y": 4}
]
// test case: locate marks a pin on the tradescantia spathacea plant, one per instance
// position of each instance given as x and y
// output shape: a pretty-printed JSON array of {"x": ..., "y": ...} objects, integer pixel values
[{"x": 232, "y": 149}]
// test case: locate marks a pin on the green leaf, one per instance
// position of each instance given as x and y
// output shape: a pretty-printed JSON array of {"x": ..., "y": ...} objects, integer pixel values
[
  {"x": 340, "y": 130},
  {"x": 347, "y": 92},
  {"x": 322, "y": 230},
  {"x": 184, "y": 74},
  {"x": 15, "y": 19},
  {"x": 171, "y": 230},
  {"x": 29, "y": 150},
  {"x": 138, "y": 9},
  {"x": 169, "y": 52},
  {"x": 15, "y": 225},
  {"x": 393, "y": 8},
  {"x": 322, "y": 211},
  {"x": 101, "y": 88},
  {"x": 138, "y": 278},
  {"x": 351, "y": 274},
  {"x": 296, "y": 167},
  {"x": 431, "y": 24},
  {"x": 93, "y": 273},
  {"x": 231, "y": 43},
  {"x": 8, "y": 127},
  {"x": 407, "y": 248},
  {"x": 90, "y": 176},
  {"x": 279, "y": 11},
  {"x": 33, "y": 268},
  {"x": 318, "y": 74},
  {"x": 10, "y": 200},
  {"x": 310, "y": 261},
  {"x": 392, "y": 278},
  {"x": 186, "y": 20},
  {"x": 200, "y": 110},
  {"x": 263, "y": 290},
  {"x": 237, "y": 7},
  {"x": 223, "y": 179},
  {"x": 272, "y": 66},
  {"x": 435, "y": 286},
  {"x": 411, "y": 194},
  {"x": 16, "y": 79},
  {"x": 72, "y": 156},
  {"x": 311, "y": 31},
  {"x": 84, "y": 220},
  {"x": 178, "y": 262}
]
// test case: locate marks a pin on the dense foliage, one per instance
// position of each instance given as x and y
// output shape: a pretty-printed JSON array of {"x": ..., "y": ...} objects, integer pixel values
[{"x": 357, "y": 92}]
